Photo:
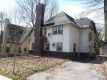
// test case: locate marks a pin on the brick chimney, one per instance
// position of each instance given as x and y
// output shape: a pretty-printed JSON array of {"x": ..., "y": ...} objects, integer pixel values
[{"x": 39, "y": 21}]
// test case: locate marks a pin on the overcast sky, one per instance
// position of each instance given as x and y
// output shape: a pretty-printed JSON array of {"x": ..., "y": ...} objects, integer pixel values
[{"x": 71, "y": 7}]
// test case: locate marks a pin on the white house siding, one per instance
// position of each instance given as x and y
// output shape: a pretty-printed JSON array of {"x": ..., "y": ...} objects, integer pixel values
[
  {"x": 83, "y": 40},
  {"x": 85, "y": 45},
  {"x": 31, "y": 40},
  {"x": 73, "y": 37},
  {"x": 71, "y": 34},
  {"x": 64, "y": 38},
  {"x": 91, "y": 43},
  {"x": 103, "y": 50}
]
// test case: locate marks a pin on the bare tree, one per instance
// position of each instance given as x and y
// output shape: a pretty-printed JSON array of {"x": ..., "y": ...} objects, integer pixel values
[
  {"x": 3, "y": 15},
  {"x": 81, "y": 15},
  {"x": 14, "y": 17},
  {"x": 27, "y": 9},
  {"x": 96, "y": 6}
]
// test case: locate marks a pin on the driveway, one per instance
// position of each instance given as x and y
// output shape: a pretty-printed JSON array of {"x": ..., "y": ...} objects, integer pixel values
[{"x": 68, "y": 71}]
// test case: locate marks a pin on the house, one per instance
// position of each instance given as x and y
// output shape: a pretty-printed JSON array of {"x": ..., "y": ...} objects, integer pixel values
[
  {"x": 15, "y": 32},
  {"x": 60, "y": 36},
  {"x": 66, "y": 37},
  {"x": 103, "y": 48},
  {"x": 23, "y": 48}
]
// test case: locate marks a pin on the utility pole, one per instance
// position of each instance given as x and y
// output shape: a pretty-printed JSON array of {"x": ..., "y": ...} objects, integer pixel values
[{"x": 105, "y": 16}]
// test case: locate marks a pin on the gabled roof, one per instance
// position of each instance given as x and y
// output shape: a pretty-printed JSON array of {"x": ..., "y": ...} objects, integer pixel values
[
  {"x": 86, "y": 22},
  {"x": 15, "y": 31},
  {"x": 25, "y": 34},
  {"x": 18, "y": 32},
  {"x": 83, "y": 21},
  {"x": 60, "y": 18}
]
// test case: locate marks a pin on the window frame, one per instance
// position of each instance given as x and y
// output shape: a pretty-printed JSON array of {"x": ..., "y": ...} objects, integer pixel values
[
  {"x": 90, "y": 36},
  {"x": 45, "y": 31},
  {"x": 25, "y": 49},
  {"x": 47, "y": 46},
  {"x": 61, "y": 44},
  {"x": 57, "y": 30},
  {"x": 74, "y": 47},
  {"x": 32, "y": 47},
  {"x": 19, "y": 49}
]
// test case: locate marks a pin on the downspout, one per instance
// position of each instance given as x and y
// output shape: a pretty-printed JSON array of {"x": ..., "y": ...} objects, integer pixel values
[{"x": 79, "y": 44}]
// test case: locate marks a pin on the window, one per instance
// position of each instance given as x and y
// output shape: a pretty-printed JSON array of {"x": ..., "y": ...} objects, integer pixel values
[
  {"x": 24, "y": 49},
  {"x": 47, "y": 46},
  {"x": 60, "y": 30},
  {"x": 19, "y": 49},
  {"x": 74, "y": 47},
  {"x": 57, "y": 30},
  {"x": 59, "y": 46},
  {"x": 7, "y": 49},
  {"x": 90, "y": 36},
  {"x": 32, "y": 45},
  {"x": 44, "y": 31}
]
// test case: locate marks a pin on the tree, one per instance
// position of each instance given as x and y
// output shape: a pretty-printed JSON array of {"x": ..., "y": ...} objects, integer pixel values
[
  {"x": 81, "y": 15},
  {"x": 3, "y": 15},
  {"x": 98, "y": 40},
  {"x": 99, "y": 6},
  {"x": 27, "y": 10}
]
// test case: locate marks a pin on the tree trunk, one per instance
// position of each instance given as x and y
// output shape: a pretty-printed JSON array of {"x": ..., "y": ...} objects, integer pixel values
[{"x": 105, "y": 15}]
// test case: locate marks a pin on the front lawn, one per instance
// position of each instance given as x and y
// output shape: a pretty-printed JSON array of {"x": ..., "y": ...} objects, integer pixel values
[{"x": 27, "y": 65}]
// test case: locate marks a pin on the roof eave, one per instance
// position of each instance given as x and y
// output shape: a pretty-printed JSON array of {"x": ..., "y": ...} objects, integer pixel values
[{"x": 62, "y": 24}]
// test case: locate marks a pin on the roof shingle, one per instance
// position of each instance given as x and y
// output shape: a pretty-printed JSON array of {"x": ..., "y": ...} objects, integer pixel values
[{"x": 60, "y": 18}]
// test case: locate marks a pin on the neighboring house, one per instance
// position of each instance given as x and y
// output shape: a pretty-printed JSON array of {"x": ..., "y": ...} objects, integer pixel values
[
  {"x": 103, "y": 48},
  {"x": 24, "y": 43},
  {"x": 66, "y": 37},
  {"x": 13, "y": 33}
]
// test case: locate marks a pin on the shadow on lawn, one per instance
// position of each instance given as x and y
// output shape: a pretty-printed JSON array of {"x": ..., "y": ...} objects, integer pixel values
[{"x": 93, "y": 60}]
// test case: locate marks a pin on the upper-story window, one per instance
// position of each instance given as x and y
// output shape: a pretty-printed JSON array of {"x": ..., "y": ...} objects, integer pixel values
[
  {"x": 44, "y": 31},
  {"x": 57, "y": 30},
  {"x": 90, "y": 36}
]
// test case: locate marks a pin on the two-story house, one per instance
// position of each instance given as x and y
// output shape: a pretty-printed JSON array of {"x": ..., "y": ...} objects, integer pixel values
[{"x": 67, "y": 37}]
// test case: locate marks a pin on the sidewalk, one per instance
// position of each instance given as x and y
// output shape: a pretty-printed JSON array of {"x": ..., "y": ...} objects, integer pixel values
[{"x": 4, "y": 78}]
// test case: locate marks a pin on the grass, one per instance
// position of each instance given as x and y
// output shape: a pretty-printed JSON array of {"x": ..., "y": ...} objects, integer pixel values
[
  {"x": 101, "y": 66},
  {"x": 26, "y": 66}
]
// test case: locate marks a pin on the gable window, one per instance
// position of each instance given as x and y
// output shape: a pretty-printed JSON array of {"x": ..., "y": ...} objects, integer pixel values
[
  {"x": 57, "y": 30},
  {"x": 74, "y": 47},
  {"x": 90, "y": 36},
  {"x": 44, "y": 31},
  {"x": 59, "y": 46},
  {"x": 47, "y": 46}
]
